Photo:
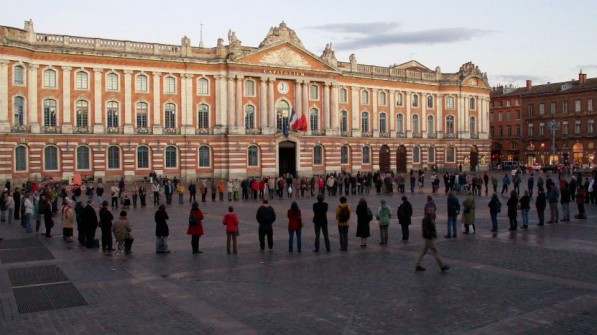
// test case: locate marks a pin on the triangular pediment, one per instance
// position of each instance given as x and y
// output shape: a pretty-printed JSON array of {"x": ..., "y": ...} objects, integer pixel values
[
  {"x": 412, "y": 65},
  {"x": 285, "y": 55}
]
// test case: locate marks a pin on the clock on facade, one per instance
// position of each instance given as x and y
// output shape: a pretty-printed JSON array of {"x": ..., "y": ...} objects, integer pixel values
[{"x": 283, "y": 87}]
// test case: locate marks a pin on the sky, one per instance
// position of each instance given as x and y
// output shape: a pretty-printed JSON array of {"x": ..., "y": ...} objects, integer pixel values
[{"x": 510, "y": 40}]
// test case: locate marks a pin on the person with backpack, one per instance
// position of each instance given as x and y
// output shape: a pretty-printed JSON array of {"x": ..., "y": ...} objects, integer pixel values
[
  {"x": 320, "y": 222},
  {"x": 195, "y": 228},
  {"x": 405, "y": 212},
  {"x": 453, "y": 211},
  {"x": 295, "y": 225},
  {"x": 495, "y": 206},
  {"x": 266, "y": 216},
  {"x": 343, "y": 216},
  {"x": 384, "y": 215},
  {"x": 231, "y": 222},
  {"x": 364, "y": 217}
]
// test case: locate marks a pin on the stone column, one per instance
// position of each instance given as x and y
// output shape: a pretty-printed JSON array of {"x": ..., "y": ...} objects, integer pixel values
[
  {"x": 67, "y": 124},
  {"x": 128, "y": 102},
  {"x": 188, "y": 107},
  {"x": 263, "y": 103},
  {"x": 355, "y": 113},
  {"x": 392, "y": 116},
  {"x": 271, "y": 105},
  {"x": 98, "y": 124},
  {"x": 326, "y": 107},
  {"x": 221, "y": 104},
  {"x": 424, "y": 124},
  {"x": 298, "y": 96},
  {"x": 158, "y": 127},
  {"x": 374, "y": 120},
  {"x": 440, "y": 117},
  {"x": 407, "y": 117},
  {"x": 231, "y": 104},
  {"x": 4, "y": 123},
  {"x": 334, "y": 109},
  {"x": 238, "y": 117},
  {"x": 305, "y": 105}
]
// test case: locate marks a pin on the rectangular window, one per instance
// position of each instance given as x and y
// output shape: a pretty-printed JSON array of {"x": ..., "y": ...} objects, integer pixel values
[
  {"x": 531, "y": 110},
  {"x": 590, "y": 127},
  {"x": 500, "y": 131},
  {"x": 491, "y": 117},
  {"x": 541, "y": 109},
  {"x": 509, "y": 131},
  {"x": 577, "y": 106},
  {"x": 517, "y": 103},
  {"x": 143, "y": 158},
  {"x": 112, "y": 82},
  {"x": 317, "y": 155},
  {"x": 513, "y": 146},
  {"x": 508, "y": 116},
  {"x": 249, "y": 88},
  {"x": 553, "y": 108},
  {"x": 81, "y": 80},
  {"x": 19, "y": 75},
  {"x": 508, "y": 103},
  {"x": 518, "y": 115},
  {"x": 51, "y": 158},
  {"x": 590, "y": 105},
  {"x": 500, "y": 116},
  {"x": 517, "y": 131},
  {"x": 141, "y": 83},
  {"x": 501, "y": 104},
  {"x": 492, "y": 131},
  {"x": 565, "y": 107},
  {"x": 577, "y": 127},
  {"x": 343, "y": 95},
  {"x": 565, "y": 128},
  {"x": 314, "y": 95},
  {"x": 531, "y": 129},
  {"x": 541, "y": 129},
  {"x": 50, "y": 78},
  {"x": 82, "y": 158}
]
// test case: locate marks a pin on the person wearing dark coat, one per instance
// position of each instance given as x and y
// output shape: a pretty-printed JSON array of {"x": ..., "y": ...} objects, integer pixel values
[
  {"x": 364, "y": 216},
  {"x": 105, "y": 222},
  {"x": 161, "y": 230},
  {"x": 266, "y": 216},
  {"x": 320, "y": 222},
  {"x": 405, "y": 213},
  {"x": 430, "y": 234},
  {"x": 494, "y": 208},
  {"x": 513, "y": 210},
  {"x": 89, "y": 225},
  {"x": 46, "y": 210},
  {"x": 540, "y": 204},
  {"x": 17, "y": 197}
]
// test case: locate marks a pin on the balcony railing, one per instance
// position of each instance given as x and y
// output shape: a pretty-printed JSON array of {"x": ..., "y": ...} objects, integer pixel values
[
  {"x": 24, "y": 128},
  {"x": 114, "y": 130},
  {"x": 417, "y": 135},
  {"x": 400, "y": 134},
  {"x": 143, "y": 131},
  {"x": 475, "y": 136},
  {"x": 251, "y": 131},
  {"x": 206, "y": 131},
  {"x": 51, "y": 130},
  {"x": 171, "y": 131},
  {"x": 384, "y": 134},
  {"x": 345, "y": 134},
  {"x": 82, "y": 130},
  {"x": 366, "y": 134},
  {"x": 451, "y": 135},
  {"x": 432, "y": 135}
]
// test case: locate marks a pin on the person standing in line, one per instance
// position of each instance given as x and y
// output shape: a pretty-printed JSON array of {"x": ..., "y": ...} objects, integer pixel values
[
  {"x": 495, "y": 206},
  {"x": 540, "y": 204},
  {"x": 89, "y": 220},
  {"x": 155, "y": 188},
  {"x": 135, "y": 192},
  {"x": 486, "y": 182},
  {"x": 453, "y": 211},
  {"x": 320, "y": 222},
  {"x": 364, "y": 217},
  {"x": 161, "y": 230},
  {"x": 295, "y": 224},
  {"x": 231, "y": 222},
  {"x": 580, "y": 202},
  {"x": 28, "y": 205},
  {"x": 513, "y": 210},
  {"x": 46, "y": 210},
  {"x": 565, "y": 200},
  {"x": 193, "y": 192},
  {"x": 429, "y": 234},
  {"x": 17, "y": 200},
  {"x": 531, "y": 185},
  {"x": 142, "y": 195},
  {"x": 99, "y": 191},
  {"x": 214, "y": 190},
  {"x": 405, "y": 212},
  {"x": 169, "y": 191},
  {"x": 468, "y": 213},
  {"x": 10, "y": 206},
  {"x": 180, "y": 189},
  {"x": 384, "y": 215},
  {"x": 68, "y": 220},
  {"x": 106, "y": 225},
  {"x": 343, "y": 217},
  {"x": 525, "y": 207},
  {"x": 221, "y": 189},
  {"x": 122, "y": 232},
  {"x": 553, "y": 198},
  {"x": 202, "y": 191},
  {"x": 195, "y": 227},
  {"x": 230, "y": 189},
  {"x": 114, "y": 197},
  {"x": 266, "y": 216}
]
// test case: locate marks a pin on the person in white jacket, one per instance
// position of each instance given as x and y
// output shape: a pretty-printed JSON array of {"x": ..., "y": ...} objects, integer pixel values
[{"x": 28, "y": 203}]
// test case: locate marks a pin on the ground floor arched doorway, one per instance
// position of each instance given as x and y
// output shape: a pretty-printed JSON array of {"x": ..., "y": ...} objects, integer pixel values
[
  {"x": 401, "y": 159},
  {"x": 287, "y": 158},
  {"x": 384, "y": 159},
  {"x": 577, "y": 151},
  {"x": 474, "y": 158}
]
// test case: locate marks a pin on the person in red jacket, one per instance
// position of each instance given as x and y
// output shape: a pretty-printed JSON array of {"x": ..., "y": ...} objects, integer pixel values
[
  {"x": 295, "y": 224},
  {"x": 195, "y": 227},
  {"x": 231, "y": 222}
]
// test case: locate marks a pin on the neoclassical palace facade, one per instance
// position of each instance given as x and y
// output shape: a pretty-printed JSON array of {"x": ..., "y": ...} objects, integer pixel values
[{"x": 111, "y": 108}]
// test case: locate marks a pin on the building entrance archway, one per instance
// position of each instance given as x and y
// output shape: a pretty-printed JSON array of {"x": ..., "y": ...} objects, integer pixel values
[
  {"x": 401, "y": 159},
  {"x": 287, "y": 158},
  {"x": 474, "y": 158},
  {"x": 384, "y": 159},
  {"x": 577, "y": 151}
]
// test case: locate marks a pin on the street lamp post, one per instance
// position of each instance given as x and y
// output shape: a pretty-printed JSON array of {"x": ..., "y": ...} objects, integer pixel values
[{"x": 553, "y": 125}]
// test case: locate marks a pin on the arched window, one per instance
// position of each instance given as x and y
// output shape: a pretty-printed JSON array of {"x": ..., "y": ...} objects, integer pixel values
[
  {"x": 473, "y": 103},
  {"x": 430, "y": 125},
  {"x": 203, "y": 116},
  {"x": 451, "y": 154},
  {"x": 415, "y": 127},
  {"x": 429, "y": 101},
  {"x": 112, "y": 115},
  {"x": 253, "y": 156},
  {"x": 450, "y": 124},
  {"x": 365, "y": 122},
  {"x": 415, "y": 102},
  {"x": 383, "y": 127},
  {"x": 50, "y": 113},
  {"x": 113, "y": 157},
  {"x": 169, "y": 85},
  {"x": 365, "y": 97},
  {"x": 249, "y": 88},
  {"x": 344, "y": 154},
  {"x": 143, "y": 157},
  {"x": 171, "y": 156},
  {"x": 141, "y": 83},
  {"x": 250, "y": 117},
  {"x": 416, "y": 155},
  {"x": 450, "y": 103},
  {"x": 473, "y": 126},
  {"x": 282, "y": 114},
  {"x": 49, "y": 78},
  {"x": 204, "y": 160},
  {"x": 317, "y": 155},
  {"x": 21, "y": 158},
  {"x": 19, "y": 111},
  {"x": 366, "y": 155},
  {"x": 343, "y": 96},
  {"x": 82, "y": 111},
  {"x": 51, "y": 158},
  {"x": 112, "y": 82},
  {"x": 399, "y": 100},
  {"x": 400, "y": 123},
  {"x": 83, "y": 158},
  {"x": 81, "y": 80},
  {"x": 203, "y": 86},
  {"x": 19, "y": 75},
  {"x": 314, "y": 119},
  {"x": 383, "y": 98},
  {"x": 431, "y": 154},
  {"x": 142, "y": 115},
  {"x": 170, "y": 116},
  {"x": 343, "y": 121}
]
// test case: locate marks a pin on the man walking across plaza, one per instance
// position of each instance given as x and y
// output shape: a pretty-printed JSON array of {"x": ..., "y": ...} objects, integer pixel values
[
  {"x": 320, "y": 222},
  {"x": 266, "y": 216},
  {"x": 453, "y": 211},
  {"x": 429, "y": 234}
]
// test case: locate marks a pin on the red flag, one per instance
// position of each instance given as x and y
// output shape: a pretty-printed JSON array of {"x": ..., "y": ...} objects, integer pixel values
[{"x": 301, "y": 124}]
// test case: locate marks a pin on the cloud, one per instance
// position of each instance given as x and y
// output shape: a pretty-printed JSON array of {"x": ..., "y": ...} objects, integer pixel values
[
  {"x": 586, "y": 67},
  {"x": 503, "y": 79},
  {"x": 376, "y": 34}
]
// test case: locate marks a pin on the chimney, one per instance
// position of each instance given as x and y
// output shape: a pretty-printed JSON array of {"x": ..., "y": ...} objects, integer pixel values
[
  {"x": 529, "y": 84},
  {"x": 582, "y": 78}
]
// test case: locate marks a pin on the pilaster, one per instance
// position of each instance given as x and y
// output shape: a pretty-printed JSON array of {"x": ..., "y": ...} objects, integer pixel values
[
  {"x": 374, "y": 122},
  {"x": 263, "y": 103},
  {"x": 158, "y": 127},
  {"x": 334, "y": 109},
  {"x": 4, "y": 123},
  {"x": 67, "y": 126},
  {"x": 32, "y": 98},
  {"x": 128, "y": 102},
  {"x": 305, "y": 104},
  {"x": 98, "y": 125},
  {"x": 326, "y": 107},
  {"x": 221, "y": 104},
  {"x": 354, "y": 113},
  {"x": 271, "y": 106}
]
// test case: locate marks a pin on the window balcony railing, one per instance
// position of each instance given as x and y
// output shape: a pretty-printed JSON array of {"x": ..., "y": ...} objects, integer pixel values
[
  {"x": 385, "y": 134},
  {"x": 317, "y": 132},
  {"x": 345, "y": 134},
  {"x": 475, "y": 136},
  {"x": 24, "y": 128},
  {"x": 51, "y": 130},
  {"x": 453, "y": 135},
  {"x": 82, "y": 130},
  {"x": 417, "y": 135},
  {"x": 171, "y": 131},
  {"x": 432, "y": 135},
  {"x": 114, "y": 130},
  {"x": 400, "y": 134},
  {"x": 250, "y": 131},
  {"x": 143, "y": 131},
  {"x": 207, "y": 131},
  {"x": 366, "y": 134}
]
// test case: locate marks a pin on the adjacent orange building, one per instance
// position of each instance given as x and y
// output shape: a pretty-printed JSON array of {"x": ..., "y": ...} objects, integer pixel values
[{"x": 111, "y": 108}]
